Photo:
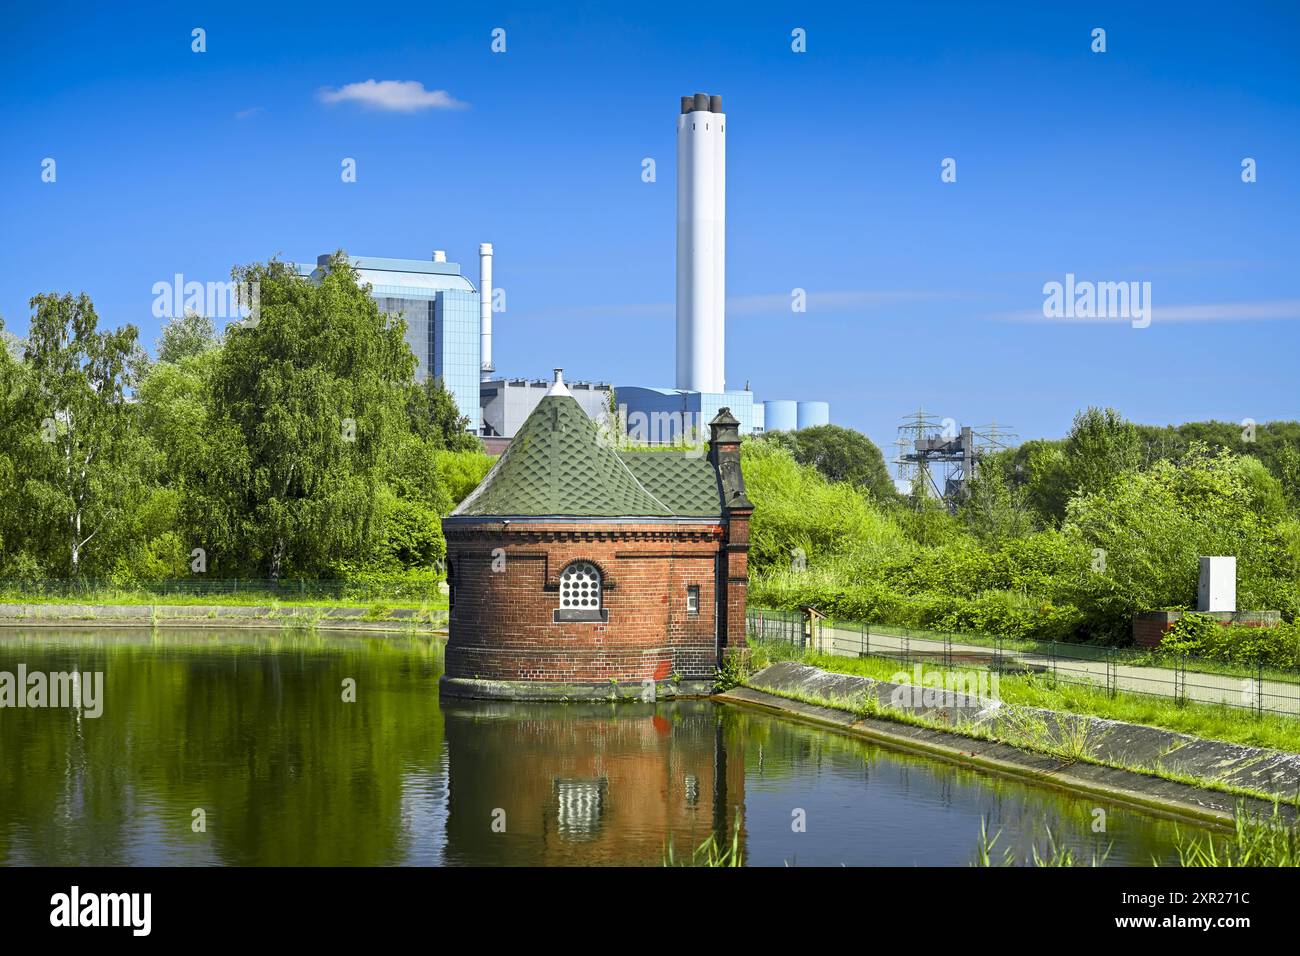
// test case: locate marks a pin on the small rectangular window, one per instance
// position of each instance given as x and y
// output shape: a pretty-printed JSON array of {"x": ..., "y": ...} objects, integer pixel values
[{"x": 693, "y": 599}]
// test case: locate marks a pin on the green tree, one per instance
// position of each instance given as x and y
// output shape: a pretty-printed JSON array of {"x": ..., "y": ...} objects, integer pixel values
[
  {"x": 436, "y": 418},
  {"x": 13, "y": 386},
  {"x": 76, "y": 446},
  {"x": 305, "y": 404},
  {"x": 1101, "y": 446},
  {"x": 1288, "y": 473},
  {"x": 186, "y": 336},
  {"x": 994, "y": 510},
  {"x": 841, "y": 454}
]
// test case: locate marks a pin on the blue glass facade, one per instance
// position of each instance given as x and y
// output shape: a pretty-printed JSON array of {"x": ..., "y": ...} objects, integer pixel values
[
  {"x": 419, "y": 315},
  {"x": 455, "y": 349}
]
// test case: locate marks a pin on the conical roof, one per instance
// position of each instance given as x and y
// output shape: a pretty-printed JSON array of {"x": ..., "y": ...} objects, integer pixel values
[{"x": 558, "y": 465}]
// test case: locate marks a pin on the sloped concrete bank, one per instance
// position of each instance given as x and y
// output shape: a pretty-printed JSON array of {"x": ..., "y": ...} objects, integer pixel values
[
  {"x": 226, "y": 616},
  {"x": 1088, "y": 754}
]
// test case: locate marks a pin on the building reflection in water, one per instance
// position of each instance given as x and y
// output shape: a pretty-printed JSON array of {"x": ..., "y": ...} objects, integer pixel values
[{"x": 587, "y": 784}]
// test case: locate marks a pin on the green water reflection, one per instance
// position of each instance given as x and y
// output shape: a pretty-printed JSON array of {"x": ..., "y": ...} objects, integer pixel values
[{"x": 252, "y": 728}]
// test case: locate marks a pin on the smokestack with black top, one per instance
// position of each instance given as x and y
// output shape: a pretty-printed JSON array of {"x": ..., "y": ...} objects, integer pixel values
[{"x": 701, "y": 243}]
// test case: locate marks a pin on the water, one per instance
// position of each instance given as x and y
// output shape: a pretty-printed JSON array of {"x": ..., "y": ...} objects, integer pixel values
[{"x": 250, "y": 729}]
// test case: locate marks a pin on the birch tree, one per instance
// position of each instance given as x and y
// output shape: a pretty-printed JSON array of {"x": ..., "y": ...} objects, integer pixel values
[{"x": 77, "y": 422}]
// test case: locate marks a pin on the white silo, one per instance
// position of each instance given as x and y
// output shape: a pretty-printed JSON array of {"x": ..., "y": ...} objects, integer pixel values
[
  {"x": 701, "y": 243},
  {"x": 812, "y": 414}
]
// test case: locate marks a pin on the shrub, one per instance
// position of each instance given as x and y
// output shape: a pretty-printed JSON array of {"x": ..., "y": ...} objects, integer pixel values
[{"x": 1199, "y": 635}]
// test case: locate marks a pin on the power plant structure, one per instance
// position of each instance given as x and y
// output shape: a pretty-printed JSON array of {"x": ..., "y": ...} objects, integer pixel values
[
  {"x": 659, "y": 415},
  {"x": 449, "y": 320},
  {"x": 928, "y": 446},
  {"x": 701, "y": 244}
]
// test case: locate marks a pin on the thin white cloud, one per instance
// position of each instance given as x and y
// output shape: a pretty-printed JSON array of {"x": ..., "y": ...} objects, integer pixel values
[
  {"x": 835, "y": 300},
  {"x": 773, "y": 303},
  {"x": 395, "y": 96},
  {"x": 251, "y": 111},
  {"x": 1274, "y": 310}
]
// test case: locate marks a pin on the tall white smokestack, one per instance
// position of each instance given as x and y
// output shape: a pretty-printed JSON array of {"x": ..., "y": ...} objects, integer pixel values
[
  {"x": 701, "y": 243},
  {"x": 485, "y": 307}
]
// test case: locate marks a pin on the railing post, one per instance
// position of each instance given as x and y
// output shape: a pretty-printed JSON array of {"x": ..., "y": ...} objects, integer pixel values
[{"x": 1259, "y": 688}]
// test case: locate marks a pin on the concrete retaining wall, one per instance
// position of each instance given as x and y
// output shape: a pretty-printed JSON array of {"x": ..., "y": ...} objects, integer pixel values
[{"x": 207, "y": 615}]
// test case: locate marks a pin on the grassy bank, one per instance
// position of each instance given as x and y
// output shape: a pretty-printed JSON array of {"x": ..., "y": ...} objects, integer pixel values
[{"x": 1213, "y": 721}]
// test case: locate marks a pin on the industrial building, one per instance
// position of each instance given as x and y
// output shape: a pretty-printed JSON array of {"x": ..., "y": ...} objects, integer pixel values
[
  {"x": 449, "y": 321},
  {"x": 668, "y": 415},
  {"x": 506, "y": 403},
  {"x": 701, "y": 390}
]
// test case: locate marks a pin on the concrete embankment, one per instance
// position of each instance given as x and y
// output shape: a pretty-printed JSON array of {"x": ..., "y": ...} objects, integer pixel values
[
  {"x": 225, "y": 616},
  {"x": 1088, "y": 754}
]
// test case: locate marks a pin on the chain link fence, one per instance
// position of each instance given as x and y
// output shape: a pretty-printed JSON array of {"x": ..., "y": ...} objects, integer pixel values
[{"x": 1181, "y": 677}]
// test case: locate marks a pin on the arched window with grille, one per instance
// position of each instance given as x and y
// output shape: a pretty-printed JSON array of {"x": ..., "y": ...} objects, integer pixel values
[{"x": 581, "y": 587}]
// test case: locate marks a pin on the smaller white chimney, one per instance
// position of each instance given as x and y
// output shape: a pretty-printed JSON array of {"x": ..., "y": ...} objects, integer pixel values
[
  {"x": 558, "y": 387},
  {"x": 485, "y": 308},
  {"x": 439, "y": 255}
]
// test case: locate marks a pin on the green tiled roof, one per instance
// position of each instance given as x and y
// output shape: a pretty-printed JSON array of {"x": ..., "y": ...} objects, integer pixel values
[
  {"x": 556, "y": 465},
  {"x": 687, "y": 485}
]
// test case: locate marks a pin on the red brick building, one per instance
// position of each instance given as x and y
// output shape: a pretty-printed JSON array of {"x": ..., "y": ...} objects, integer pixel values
[{"x": 580, "y": 570}]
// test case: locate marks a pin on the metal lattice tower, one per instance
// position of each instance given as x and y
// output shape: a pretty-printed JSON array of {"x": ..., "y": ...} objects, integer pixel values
[{"x": 928, "y": 445}]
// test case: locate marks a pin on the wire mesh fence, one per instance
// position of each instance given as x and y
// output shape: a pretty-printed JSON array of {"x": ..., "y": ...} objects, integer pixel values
[{"x": 1181, "y": 677}]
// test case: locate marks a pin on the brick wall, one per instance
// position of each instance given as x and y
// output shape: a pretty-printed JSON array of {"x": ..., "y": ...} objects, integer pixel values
[
  {"x": 1150, "y": 627},
  {"x": 506, "y": 589}
]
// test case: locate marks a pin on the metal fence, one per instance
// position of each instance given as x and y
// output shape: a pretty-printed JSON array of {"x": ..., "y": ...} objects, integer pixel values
[{"x": 1181, "y": 677}]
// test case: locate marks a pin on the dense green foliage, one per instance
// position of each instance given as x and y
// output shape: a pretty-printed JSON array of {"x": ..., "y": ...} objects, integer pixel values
[
  {"x": 1201, "y": 636},
  {"x": 1056, "y": 540},
  {"x": 841, "y": 454},
  {"x": 298, "y": 445}
]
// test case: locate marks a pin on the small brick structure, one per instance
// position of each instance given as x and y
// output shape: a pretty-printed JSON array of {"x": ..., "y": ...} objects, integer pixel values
[
  {"x": 582, "y": 571},
  {"x": 1150, "y": 627}
]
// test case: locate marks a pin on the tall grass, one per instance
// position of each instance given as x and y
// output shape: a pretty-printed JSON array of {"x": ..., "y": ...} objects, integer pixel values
[
  {"x": 1256, "y": 841},
  {"x": 1053, "y": 854},
  {"x": 710, "y": 853}
]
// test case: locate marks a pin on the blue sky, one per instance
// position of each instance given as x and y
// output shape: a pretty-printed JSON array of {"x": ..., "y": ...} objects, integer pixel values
[{"x": 1115, "y": 166}]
